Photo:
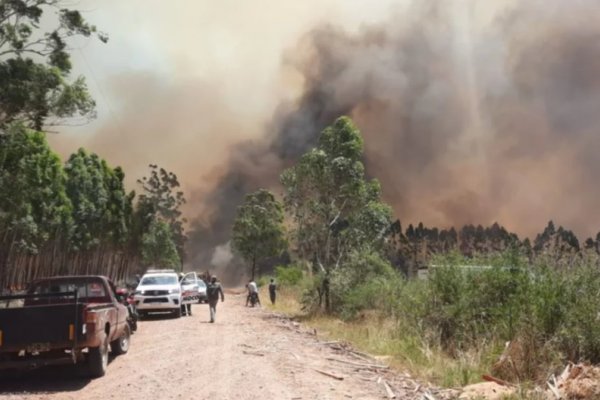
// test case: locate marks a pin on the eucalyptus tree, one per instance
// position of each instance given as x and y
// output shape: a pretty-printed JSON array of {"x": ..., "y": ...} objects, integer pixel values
[
  {"x": 162, "y": 200},
  {"x": 35, "y": 66},
  {"x": 258, "y": 230},
  {"x": 334, "y": 208},
  {"x": 34, "y": 208}
]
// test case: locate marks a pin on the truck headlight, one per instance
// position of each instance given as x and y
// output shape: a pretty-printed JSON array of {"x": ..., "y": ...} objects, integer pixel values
[{"x": 174, "y": 291}]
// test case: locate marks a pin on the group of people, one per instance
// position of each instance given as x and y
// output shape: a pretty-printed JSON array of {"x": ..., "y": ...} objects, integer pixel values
[
  {"x": 253, "y": 292},
  {"x": 214, "y": 291}
]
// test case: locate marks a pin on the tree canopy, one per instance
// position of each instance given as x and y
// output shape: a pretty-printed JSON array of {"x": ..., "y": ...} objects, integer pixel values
[
  {"x": 161, "y": 199},
  {"x": 335, "y": 209},
  {"x": 258, "y": 230},
  {"x": 35, "y": 67},
  {"x": 158, "y": 248}
]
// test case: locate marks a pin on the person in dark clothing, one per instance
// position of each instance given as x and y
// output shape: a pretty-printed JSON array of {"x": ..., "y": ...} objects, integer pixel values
[
  {"x": 272, "y": 291},
  {"x": 212, "y": 292}
]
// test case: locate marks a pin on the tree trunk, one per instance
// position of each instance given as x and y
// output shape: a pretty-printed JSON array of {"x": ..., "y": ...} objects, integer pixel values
[{"x": 253, "y": 265}]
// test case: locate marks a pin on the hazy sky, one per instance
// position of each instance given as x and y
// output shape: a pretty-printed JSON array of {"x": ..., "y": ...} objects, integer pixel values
[
  {"x": 218, "y": 65},
  {"x": 471, "y": 110}
]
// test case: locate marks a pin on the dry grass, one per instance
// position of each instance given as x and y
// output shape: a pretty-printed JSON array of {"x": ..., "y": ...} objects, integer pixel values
[{"x": 380, "y": 336}]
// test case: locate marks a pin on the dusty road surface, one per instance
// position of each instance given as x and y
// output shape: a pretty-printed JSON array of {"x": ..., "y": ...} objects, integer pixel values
[{"x": 249, "y": 353}]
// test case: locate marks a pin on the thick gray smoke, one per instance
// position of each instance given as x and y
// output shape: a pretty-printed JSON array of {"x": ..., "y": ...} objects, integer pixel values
[{"x": 472, "y": 112}]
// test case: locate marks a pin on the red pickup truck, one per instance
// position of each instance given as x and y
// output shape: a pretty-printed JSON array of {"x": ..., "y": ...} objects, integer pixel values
[{"x": 63, "y": 320}]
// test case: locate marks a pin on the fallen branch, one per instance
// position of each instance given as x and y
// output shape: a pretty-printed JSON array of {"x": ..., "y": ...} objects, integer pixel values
[
  {"x": 388, "y": 390},
  {"x": 253, "y": 353},
  {"x": 554, "y": 390},
  {"x": 490, "y": 378},
  {"x": 332, "y": 375},
  {"x": 361, "y": 365},
  {"x": 428, "y": 396}
]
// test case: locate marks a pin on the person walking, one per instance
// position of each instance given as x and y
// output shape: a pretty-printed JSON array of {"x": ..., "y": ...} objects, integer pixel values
[
  {"x": 272, "y": 291},
  {"x": 212, "y": 292}
]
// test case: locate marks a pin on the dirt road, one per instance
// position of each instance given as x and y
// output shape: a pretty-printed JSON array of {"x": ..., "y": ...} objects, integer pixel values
[{"x": 248, "y": 353}]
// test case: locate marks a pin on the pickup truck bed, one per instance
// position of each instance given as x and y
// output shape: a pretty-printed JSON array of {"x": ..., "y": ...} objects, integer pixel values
[{"x": 40, "y": 328}]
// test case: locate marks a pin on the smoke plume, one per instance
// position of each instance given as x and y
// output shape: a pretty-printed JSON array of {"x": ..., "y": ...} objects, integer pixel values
[{"x": 471, "y": 113}]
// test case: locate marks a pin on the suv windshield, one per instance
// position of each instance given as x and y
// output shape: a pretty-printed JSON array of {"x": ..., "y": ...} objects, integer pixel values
[{"x": 159, "y": 280}]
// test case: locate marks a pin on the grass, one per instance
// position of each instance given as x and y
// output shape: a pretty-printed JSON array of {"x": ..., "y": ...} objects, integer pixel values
[{"x": 379, "y": 336}]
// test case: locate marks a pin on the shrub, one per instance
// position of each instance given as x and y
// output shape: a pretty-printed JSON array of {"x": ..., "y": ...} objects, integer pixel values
[{"x": 288, "y": 275}]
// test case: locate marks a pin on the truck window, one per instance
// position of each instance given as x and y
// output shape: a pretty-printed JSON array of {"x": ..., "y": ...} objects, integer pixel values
[
  {"x": 85, "y": 290},
  {"x": 159, "y": 280}
]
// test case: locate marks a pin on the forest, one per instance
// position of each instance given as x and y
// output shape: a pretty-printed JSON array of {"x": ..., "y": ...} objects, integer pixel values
[{"x": 73, "y": 217}]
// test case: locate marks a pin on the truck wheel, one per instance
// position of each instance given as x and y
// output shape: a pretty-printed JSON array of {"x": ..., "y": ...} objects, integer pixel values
[
  {"x": 177, "y": 313},
  {"x": 121, "y": 345},
  {"x": 98, "y": 360}
]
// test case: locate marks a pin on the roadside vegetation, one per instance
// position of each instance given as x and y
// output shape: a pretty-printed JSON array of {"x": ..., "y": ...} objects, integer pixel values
[
  {"x": 488, "y": 304},
  {"x": 74, "y": 217},
  {"x": 517, "y": 322}
]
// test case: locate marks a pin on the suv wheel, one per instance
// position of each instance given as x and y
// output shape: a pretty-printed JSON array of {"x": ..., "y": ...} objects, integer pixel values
[{"x": 177, "y": 313}]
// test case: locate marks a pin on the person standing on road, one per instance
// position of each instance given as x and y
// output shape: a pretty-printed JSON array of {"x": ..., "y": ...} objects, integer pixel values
[
  {"x": 272, "y": 291},
  {"x": 212, "y": 292},
  {"x": 252, "y": 291}
]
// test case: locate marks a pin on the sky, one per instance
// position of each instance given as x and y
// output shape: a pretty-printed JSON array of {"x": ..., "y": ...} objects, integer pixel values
[
  {"x": 472, "y": 111},
  {"x": 179, "y": 82}
]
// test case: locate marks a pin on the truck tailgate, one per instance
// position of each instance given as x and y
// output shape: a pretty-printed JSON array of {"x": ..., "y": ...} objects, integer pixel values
[{"x": 40, "y": 324}]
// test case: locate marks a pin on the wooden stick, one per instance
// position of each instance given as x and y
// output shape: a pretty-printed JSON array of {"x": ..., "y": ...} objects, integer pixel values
[
  {"x": 356, "y": 364},
  {"x": 490, "y": 378},
  {"x": 334, "y": 376},
  {"x": 428, "y": 396},
  {"x": 554, "y": 391},
  {"x": 253, "y": 353},
  {"x": 389, "y": 391}
]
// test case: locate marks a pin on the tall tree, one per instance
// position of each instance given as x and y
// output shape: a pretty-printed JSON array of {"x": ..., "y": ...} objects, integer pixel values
[
  {"x": 158, "y": 247},
  {"x": 34, "y": 207},
  {"x": 36, "y": 65},
  {"x": 162, "y": 200},
  {"x": 258, "y": 230},
  {"x": 335, "y": 209}
]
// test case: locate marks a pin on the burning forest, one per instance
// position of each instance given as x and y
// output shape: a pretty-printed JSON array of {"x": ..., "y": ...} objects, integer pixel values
[{"x": 471, "y": 114}]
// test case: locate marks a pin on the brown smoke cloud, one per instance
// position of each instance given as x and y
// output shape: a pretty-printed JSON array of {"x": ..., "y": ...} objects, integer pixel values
[{"x": 472, "y": 112}]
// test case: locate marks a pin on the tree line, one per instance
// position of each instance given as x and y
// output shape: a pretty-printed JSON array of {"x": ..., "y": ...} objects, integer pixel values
[
  {"x": 74, "y": 217},
  {"x": 77, "y": 217},
  {"x": 332, "y": 221}
]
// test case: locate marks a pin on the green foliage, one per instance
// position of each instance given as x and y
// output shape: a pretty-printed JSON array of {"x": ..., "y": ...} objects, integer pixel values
[
  {"x": 35, "y": 65},
  {"x": 101, "y": 207},
  {"x": 335, "y": 210},
  {"x": 158, "y": 247},
  {"x": 33, "y": 204},
  {"x": 258, "y": 230},
  {"x": 161, "y": 200},
  {"x": 290, "y": 275},
  {"x": 365, "y": 282}
]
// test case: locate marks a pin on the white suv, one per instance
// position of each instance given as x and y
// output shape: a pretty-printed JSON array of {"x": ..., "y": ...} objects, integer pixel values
[{"x": 158, "y": 290}]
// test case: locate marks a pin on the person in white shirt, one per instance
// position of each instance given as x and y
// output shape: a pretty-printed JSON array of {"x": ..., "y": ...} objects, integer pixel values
[{"x": 252, "y": 291}]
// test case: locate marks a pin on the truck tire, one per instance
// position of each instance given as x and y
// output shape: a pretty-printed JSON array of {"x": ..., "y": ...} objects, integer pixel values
[
  {"x": 121, "y": 345},
  {"x": 98, "y": 360}
]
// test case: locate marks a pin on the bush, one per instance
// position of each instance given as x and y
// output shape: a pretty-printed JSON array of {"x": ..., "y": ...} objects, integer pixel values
[
  {"x": 288, "y": 275},
  {"x": 548, "y": 314}
]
